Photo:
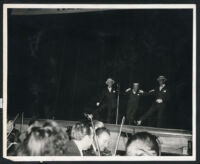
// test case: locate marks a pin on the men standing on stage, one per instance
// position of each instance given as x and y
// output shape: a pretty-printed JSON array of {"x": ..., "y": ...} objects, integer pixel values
[
  {"x": 134, "y": 95},
  {"x": 162, "y": 96},
  {"x": 107, "y": 102}
]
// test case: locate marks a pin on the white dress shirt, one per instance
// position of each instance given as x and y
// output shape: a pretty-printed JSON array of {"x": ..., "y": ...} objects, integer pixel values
[
  {"x": 161, "y": 87},
  {"x": 109, "y": 89}
]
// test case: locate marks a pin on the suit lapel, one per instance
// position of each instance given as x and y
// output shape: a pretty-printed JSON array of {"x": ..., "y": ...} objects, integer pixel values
[{"x": 163, "y": 88}]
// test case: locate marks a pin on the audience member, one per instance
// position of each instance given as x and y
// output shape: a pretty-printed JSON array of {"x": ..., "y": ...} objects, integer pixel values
[
  {"x": 142, "y": 144},
  {"x": 98, "y": 124},
  {"x": 103, "y": 138},
  {"x": 49, "y": 139},
  {"x": 32, "y": 123},
  {"x": 82, "y": 139},
  {"x": 34, "y": 144},
  {"x": 12, "y": 138},
  {"x": 46, "y": 140}
]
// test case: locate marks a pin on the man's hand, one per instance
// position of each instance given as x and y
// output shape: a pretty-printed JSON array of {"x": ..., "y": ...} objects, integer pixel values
[
  {"x": 139, "y": 122},
  {"x": 97, "y": 103},
  {"x": 141, "y": 91},
  {"x": 152, "y": 90},
  {"x": 159, "y": 101},
  {"x": 127, "y": 89}
]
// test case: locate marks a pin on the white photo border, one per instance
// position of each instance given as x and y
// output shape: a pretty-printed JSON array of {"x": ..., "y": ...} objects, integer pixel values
[{"x": 96, "y": 6}]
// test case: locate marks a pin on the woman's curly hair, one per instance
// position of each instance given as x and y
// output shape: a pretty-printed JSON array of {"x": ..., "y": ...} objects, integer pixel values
[{"x": 46, "y": 140}]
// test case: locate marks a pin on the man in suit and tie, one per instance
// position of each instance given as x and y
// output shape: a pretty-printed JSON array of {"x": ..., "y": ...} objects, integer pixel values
[
  {"x": 108, "y": 102},
  {"x": 161, "y": 94},
  {"x": 134, "y": 95}
]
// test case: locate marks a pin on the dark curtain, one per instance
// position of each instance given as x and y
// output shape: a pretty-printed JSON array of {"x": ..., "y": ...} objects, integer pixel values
[{"x": 58, "y": 64}]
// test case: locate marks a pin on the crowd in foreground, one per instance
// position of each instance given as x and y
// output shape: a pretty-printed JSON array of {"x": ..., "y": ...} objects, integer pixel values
[{"x": 82, "y": 139}]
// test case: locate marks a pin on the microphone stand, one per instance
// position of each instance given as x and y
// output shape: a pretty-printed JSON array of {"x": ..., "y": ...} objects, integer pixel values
[{"x": 118, "y": 92}]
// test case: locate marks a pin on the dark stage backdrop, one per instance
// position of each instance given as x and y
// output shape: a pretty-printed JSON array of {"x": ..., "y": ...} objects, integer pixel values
[{"x": 58, "y": 64}]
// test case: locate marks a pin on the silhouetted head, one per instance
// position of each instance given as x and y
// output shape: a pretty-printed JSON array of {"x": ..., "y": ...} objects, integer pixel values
[
  {"x": 82, "y": 133},
  {"x": 103, "y": 136},
  {"x": 161, "y": 80},
  {"x": 142, "y": 144}
]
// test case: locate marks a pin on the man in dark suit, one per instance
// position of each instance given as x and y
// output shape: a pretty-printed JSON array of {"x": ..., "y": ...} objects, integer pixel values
[
  {"x": 161, "y": 94},
  {"x": 108, "y": 102},
  {"x": 134, "y": 95}
]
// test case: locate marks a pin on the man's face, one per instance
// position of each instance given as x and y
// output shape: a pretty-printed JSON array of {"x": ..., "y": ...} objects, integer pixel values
[
  {"x": 110, "y": 84},
  {"x": 103, "y": 140},
  {"x": 161, "y": 82},
  {"x": 139, "y": 148},
  {"x": 87, "y": 142}
]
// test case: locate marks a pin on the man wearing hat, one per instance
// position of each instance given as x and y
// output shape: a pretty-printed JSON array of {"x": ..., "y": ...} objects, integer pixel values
[
  {"x": 108, "y": 102},
  {"x": 161, "y": 94},
  {"x": 134, "y": 95}
]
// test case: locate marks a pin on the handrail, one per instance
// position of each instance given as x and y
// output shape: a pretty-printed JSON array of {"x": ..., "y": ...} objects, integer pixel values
[{"x": 129, "y": 128}]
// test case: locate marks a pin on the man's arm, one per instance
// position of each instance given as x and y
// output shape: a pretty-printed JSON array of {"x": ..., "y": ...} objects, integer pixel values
[
  {"x": 152, "y": 92},
  {"x": 127, "y": 91},
  {"x": 143, "y": 93},
  {"x": 147, "y": 114},
  {"x": 101, "y": 98},
  {"x": 166, "y": 95}
]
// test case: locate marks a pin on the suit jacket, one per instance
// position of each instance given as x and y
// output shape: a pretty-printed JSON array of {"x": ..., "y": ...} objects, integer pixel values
[
  {"x": 108, "y": 98},
  {"x": 133, "y": 99},
  {"x": 72, "y": 149},
  {"x": 161, "y": 94}
]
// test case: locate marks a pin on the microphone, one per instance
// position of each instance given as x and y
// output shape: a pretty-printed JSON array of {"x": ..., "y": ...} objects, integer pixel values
[
  {"x": 118, "y": 87},
  {"x": 118, "y": 84}
]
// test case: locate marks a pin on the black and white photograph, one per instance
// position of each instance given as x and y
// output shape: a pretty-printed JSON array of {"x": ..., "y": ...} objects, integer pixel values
[{"x": 99, "y": 82}]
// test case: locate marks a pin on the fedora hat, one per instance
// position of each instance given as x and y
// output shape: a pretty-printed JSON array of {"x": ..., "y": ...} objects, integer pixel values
[
  {"x": 109, "y": 80},
  {"x": 161, "y": 78},
  {"x": 135, "y": 83}
]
